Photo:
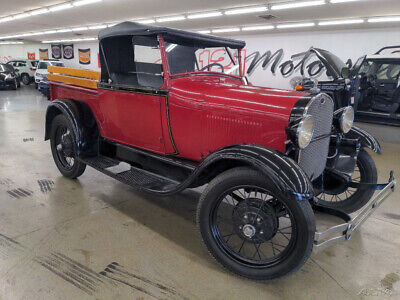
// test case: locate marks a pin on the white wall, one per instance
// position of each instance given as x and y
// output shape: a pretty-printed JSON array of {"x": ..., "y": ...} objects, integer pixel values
[{"x": 345, "y": 44}]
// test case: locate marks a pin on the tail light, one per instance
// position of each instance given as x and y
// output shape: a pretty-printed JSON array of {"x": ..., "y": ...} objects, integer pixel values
[{"x": 32, "y": 69}]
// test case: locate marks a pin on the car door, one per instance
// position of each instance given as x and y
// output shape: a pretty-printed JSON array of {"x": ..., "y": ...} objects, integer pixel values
[{"x": 131, "y": 100}]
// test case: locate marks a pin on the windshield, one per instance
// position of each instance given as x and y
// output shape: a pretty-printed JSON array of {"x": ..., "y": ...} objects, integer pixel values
[
  {"x": 45, "y": 64},
  {"x": 6, "y": 68},
  {"x": 381, "y": 70},
  {"x": 189, "y": 59}
]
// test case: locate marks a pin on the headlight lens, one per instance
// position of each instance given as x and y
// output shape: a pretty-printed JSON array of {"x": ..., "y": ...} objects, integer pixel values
[
  {"x": 347, "y": 119},
  {"x": 305, "y": 132}
]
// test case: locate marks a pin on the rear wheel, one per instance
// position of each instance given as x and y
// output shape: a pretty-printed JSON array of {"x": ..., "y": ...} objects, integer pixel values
[
  {"x": 348, "y": 199},
  {"x": 63, "y": 148},
  {"x": 253, "y": 230},
  {"x": 26, "y": 80}
]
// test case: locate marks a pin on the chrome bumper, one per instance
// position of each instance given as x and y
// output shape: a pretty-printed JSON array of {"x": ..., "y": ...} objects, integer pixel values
[{"x": 344, "y": 231}]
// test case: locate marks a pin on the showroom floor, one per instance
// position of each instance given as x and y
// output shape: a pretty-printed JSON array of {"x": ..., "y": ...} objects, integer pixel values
[{"x": 95, "y": 237}]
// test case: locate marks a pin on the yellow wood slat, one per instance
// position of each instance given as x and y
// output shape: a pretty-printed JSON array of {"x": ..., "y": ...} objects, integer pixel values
[
  {"x": 88, "y": 83},
  {"x": 74, "y": 72}
]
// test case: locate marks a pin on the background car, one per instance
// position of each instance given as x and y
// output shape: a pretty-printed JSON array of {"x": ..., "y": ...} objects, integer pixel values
[
  {"x": 8, "y": 77},
  {"x": 41, "y": 70},
  {"x": 44, "y": 88},
  {"x": 26, "y": 69}
]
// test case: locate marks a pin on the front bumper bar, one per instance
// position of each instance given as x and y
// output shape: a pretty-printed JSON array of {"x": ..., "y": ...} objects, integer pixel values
[{"x": 344, "y": 231}]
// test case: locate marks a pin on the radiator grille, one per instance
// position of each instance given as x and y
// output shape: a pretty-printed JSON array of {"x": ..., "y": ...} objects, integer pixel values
[{"x": 313, "y": 158}]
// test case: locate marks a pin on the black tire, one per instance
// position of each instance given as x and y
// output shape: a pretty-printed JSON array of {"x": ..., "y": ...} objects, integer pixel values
[
  {"x": 26, "y": 80},
  {"x": 293, "y": 256},
  {"x": 354, "y": 199},
  {"x": 72, "y": 168},
  {"x": 36, "y": 85},
  {"x": 15, "y": 85}
]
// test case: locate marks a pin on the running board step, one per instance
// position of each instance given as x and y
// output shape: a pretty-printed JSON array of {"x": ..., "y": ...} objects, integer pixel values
[{"x": 135, "y": 177}]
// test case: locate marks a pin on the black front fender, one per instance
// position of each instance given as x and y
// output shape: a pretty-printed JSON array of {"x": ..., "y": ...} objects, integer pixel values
[
  {"x": 286, "y": 174},
  {"x": 366, "y": 139}
]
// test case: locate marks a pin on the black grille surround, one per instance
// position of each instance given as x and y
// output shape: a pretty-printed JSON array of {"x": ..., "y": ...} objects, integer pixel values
[{"x": 313, "y": 158}]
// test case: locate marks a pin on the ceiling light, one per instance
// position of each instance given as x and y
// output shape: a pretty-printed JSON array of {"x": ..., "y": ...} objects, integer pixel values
[
  {"x": 39, "y": 11},
  {"x": 245, "y": 10},
  {"x": 49, "y": 32},
  {"x": 341, "y": 22},
  {"x": 64, "y": 30},
  {"x": 295, "y": 25},
  {"x": 84, "y": 2},
  {"x": 80, "y": 28},
  {"x": 204, "y": 31},
  {"x": 146, "y": 21},
  {"x": 97, "y": 27},
  {"x": 11, "y": 43},
  {"x": 384, "y": 19},
  {"x": 342, "y": 1},
  {"x": 61, "y": 7},
  {"x": 111, "y": 25},
  {"x": 262, "y": 27},
  {"x": 170, "y": 19},
  {"x": 225, "y": 30},
  {"x": 297, "y": 4},
  {"x": 21, "y": 16},
  {"x": 7, "y": 19},
  {"x": 205, "y": 15}
]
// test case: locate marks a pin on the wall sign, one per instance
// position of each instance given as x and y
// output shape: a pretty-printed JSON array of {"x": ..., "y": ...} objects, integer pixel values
[
  {"x": 56, "y": 51},
  {"x": 31, "y": 55},
  {"x": 68, "y": 51},
  {"x": 84, "y": 56},
  {"x": 43, "y": 53}
]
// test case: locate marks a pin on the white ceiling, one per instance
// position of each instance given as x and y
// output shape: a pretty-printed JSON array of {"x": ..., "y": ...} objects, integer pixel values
[{"x": 110, "y": 11}]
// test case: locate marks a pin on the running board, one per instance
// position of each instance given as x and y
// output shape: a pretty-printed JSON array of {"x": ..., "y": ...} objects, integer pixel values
[{"x": 135, "y": 177}]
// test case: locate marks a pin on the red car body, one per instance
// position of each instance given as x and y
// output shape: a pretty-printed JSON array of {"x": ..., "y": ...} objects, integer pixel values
[{"x": 206, "y": 112}]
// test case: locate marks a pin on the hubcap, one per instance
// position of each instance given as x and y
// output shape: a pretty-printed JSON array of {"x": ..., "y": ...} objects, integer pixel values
[{"x": 249, "y": 230}]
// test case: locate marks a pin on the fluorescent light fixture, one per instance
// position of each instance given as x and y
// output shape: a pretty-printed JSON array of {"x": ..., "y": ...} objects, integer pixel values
[
  {"x": 11, "y": 43},
  {"x": 21, "y": 16},
  {"x": 97, "y": 27},
  {"x": 146, "y": 21},
  {"x": 111, "y": 25},
  {"x": 297, "y": 4},
  {"x": 342, "y": 1},
  {"x": 49, "y": 32},
  {"x": 205, "y": 15},
  {"x": 259, "y": 27},
  {"x": 341, "y": 22},
  {"x": 84, "y": 2},
  {"x": 64, "y": 30},
  {"x": 170, "y": 19},
  {"x": 69, "y": 40},
  {"x": 6, "y": 19},
  {"x": 384, "y": 19},
  {"x": 245, "y": 10},
  {"x": 80, "y": 28},
  {"x": 204, "y": 31},
  {"x": 170, "y": 47},
  {"x": 220, "y": 30},
  {"x": 295, "y": 25},
  {"x": 61, "y": 7},
  {"x": 40, "y": 11}
]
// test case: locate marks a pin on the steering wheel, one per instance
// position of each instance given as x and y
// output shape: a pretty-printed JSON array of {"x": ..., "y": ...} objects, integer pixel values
[{"x": 208, "y": 67}]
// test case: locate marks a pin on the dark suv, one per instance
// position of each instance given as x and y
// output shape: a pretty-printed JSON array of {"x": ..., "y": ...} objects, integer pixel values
[{"x": 8, "y": 77}]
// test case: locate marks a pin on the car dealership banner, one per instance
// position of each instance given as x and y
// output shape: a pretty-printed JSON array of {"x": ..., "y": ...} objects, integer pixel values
[
  {"x": 84, "y": 56},
  {"x": 56, "y": 51},
  {"x": 43, "y": 53},
  {"x": 68, "y": 51}
]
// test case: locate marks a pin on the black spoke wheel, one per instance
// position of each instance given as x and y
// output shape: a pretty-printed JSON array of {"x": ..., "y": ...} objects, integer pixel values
[
  {"x": 253, "y": 230},
  {"x": 338, "y": 195},
  {"x": 63, "y": 148}
]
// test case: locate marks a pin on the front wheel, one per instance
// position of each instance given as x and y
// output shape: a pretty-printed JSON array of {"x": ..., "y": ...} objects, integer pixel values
[
  {"x": 63, "y": 148},
  {"x": 26, "y": 80},
  {"x": 253, "y": 230},
  {"x": 338, "y": 195}
]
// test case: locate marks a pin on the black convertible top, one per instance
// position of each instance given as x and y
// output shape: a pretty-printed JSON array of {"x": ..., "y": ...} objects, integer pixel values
[{"x": 171, "y": 35}]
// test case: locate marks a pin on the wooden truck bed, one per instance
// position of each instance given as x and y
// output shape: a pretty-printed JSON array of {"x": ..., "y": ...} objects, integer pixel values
[{"x": 77, "y": 77}]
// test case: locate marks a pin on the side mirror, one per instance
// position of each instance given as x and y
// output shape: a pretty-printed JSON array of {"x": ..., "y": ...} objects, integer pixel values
[{"x": 345, "y": 73}]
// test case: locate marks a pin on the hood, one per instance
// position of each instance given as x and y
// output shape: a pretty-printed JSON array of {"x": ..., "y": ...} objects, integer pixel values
[
  {"x": 332, "y": 63},
  {"x": 222, "y": 93}
]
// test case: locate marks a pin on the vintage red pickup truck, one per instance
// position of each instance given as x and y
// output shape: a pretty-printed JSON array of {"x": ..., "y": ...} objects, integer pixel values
[{"x": 163, "y": 118}]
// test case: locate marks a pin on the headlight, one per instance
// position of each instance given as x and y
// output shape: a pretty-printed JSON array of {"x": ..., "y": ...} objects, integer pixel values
[
  {"x": 347, "y": 119},
  {"x": 305, "y": 132}
]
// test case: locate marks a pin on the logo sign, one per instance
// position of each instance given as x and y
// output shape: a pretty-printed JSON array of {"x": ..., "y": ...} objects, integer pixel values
[
  {"x": 43, "y": 53},
  {"x": 68, "y": 51},
  {"x": 84, "y": 56},
  {"x": 31, "y": 55},
  {"x": 56, "y": 51}
]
